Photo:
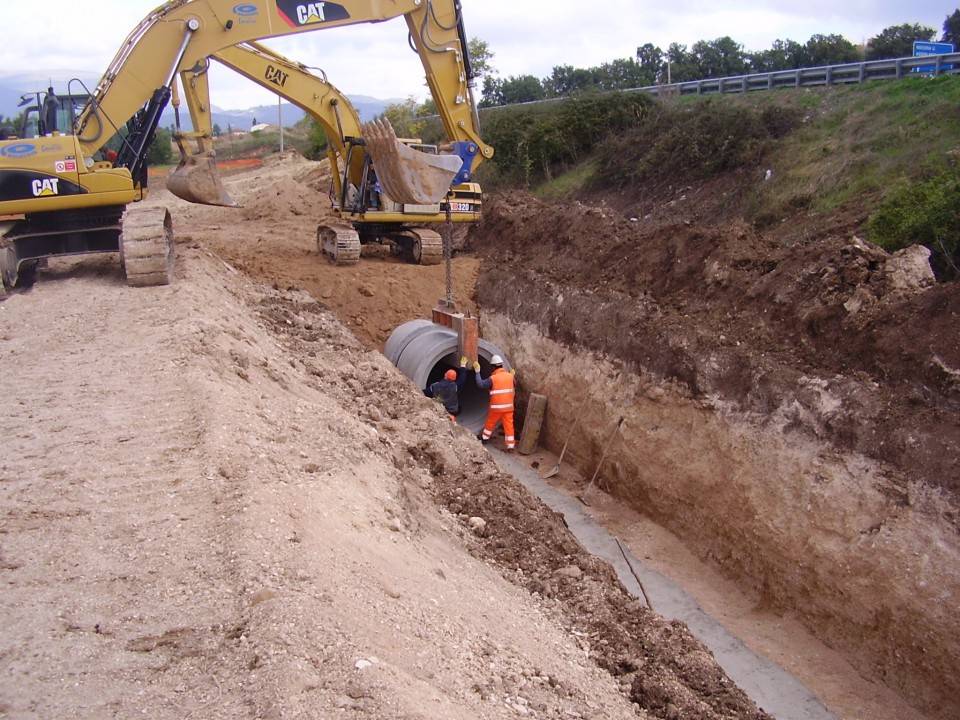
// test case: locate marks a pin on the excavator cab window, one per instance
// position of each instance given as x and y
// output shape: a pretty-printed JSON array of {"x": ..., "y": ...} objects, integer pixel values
[
  {"x": 67, "y": 110},
  {"x": 417, "y": 145}
]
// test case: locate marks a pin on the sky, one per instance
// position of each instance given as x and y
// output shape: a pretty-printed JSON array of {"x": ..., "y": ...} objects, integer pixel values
[{"x": 527, "y": 37}]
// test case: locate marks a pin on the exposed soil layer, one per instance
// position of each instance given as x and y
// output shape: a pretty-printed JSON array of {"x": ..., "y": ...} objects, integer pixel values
[{"x": 793, "y": 404}]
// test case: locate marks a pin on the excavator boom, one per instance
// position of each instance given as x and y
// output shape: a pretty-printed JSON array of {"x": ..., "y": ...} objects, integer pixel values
[
  {"x": 70, "y": 195},
  {"x": 182, "y": 34}
]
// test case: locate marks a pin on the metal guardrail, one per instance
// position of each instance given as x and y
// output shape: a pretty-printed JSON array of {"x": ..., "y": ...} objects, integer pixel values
[{"x": 892, "y": 69}]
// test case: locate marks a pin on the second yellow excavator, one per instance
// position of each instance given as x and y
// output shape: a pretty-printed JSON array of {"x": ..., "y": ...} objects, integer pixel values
[{"x": 371, "y": 167}]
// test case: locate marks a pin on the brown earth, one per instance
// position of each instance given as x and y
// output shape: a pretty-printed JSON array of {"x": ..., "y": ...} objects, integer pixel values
[{"x": 220, "y": 502}]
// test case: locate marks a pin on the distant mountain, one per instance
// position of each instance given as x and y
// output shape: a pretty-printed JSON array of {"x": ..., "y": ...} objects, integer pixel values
[
  {"x": 367, "y": 107},
  {"x": 14, "y": 85}
]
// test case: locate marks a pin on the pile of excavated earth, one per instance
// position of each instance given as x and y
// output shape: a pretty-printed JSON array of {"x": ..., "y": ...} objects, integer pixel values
[{"x": 219, "y": 499}]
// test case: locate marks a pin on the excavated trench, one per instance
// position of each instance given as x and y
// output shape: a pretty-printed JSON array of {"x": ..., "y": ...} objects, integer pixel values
[
  {"x": 790, "y": 412},
  {"x": 803, "y": 530},
  {"x": 791, "y": 408}
]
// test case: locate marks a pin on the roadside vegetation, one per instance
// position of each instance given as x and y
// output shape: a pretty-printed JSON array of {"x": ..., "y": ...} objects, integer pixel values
[{"x": 890, "y": 147}]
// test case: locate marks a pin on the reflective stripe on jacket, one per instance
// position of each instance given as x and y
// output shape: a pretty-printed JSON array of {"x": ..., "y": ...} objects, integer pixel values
[{"x": 501, "y": 395}]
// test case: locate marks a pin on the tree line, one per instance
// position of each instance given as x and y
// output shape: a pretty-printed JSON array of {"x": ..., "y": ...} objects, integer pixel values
[{"x": 705, "y": 59}]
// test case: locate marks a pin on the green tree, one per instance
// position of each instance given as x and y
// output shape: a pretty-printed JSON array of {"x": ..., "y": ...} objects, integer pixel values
[
  {"x": 682, "y": 65},
  {"x": 492, "y": 92},
  {"x": 624, "y": 74},
  {"x": 316, "y": 139},
  {"x": 405, "y": 118},
  {"x": 719, "y": 58},
  {"x": 897, "y": 41},
  {"x": 217, "y": 130},
  {"x": 480, "y": 57},
  {"x": 951, "y": 29},
  {"x": 653, "y": 62},
  {"x": 782, "y": 55},
  {"x": 522, "y": 88},
  {"x": 831, "y": 50},
  {"x": 566, "y": 80},
  {"x": 160, "y": 152}
]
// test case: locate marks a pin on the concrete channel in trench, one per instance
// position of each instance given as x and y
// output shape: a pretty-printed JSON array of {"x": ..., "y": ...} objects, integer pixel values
[
  {"x": 770, "y": 686},
  {"x": 424, "y": 351}
]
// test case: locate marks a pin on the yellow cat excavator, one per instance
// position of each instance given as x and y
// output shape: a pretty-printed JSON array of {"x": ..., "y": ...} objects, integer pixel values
[
  {"x": 364, "y": 208},
  {"x": 59, "y": 195}
]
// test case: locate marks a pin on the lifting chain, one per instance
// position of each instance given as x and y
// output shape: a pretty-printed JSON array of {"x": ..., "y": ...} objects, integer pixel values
[{"x": 448, "y": 253}]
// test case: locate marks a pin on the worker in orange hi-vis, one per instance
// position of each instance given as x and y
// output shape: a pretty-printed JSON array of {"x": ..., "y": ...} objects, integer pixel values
[{"x": 501, "y": 386}]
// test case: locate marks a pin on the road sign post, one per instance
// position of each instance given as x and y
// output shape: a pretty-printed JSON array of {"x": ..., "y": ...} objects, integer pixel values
[{"x": 924, "y": 49}]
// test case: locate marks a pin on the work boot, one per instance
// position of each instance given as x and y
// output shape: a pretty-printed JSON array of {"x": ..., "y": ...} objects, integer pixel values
[{"x": 480, "y": 438}]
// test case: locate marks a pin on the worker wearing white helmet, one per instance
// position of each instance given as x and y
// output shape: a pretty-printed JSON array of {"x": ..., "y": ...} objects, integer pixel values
[{"x": 501, "y": 386}]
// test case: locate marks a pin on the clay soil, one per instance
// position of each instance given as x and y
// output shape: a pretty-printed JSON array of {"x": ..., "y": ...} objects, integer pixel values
[{"x": 220, "y": 501}]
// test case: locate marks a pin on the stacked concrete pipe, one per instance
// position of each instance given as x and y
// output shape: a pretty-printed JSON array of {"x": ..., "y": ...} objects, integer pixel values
[{"x": 424, "y": 351}]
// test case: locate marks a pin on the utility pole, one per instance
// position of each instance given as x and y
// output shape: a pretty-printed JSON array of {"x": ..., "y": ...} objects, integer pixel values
[{"x": 280, "y": 120}]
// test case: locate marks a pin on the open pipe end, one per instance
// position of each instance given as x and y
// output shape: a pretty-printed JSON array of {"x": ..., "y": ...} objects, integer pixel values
[{"x": 424, "y": 351}]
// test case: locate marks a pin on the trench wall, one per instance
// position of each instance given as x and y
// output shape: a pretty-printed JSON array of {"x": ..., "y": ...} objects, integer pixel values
[{"x": 801, "y": 527}]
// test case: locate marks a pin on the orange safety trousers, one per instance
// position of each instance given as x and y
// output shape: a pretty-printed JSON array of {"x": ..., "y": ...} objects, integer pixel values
[{"x": 501, "y": 407}]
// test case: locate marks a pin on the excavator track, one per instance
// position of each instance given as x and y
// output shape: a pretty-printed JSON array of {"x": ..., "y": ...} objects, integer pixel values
[
  {"x": 339, "y": 242},
  {"x": 146, "y": 246},
  {"x": 426, "y": 246}
]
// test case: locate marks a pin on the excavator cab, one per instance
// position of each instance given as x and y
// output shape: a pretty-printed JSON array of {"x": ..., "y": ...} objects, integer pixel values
[{"x": 62, "y": 112}]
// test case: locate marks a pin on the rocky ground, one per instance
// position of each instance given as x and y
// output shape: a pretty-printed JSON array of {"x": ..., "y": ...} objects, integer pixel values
[{"x": 221, "y": 501}]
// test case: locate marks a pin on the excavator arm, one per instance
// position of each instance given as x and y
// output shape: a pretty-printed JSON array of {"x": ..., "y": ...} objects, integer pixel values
[{"x": 180, "y": 35}]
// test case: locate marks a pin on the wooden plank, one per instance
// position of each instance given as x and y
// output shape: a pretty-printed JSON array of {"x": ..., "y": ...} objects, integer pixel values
[{"x": 530, "y": 436}]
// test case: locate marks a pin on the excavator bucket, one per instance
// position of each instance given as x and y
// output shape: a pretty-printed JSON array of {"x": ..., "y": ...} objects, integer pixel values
[
  {"x": 408, "y": 176},
  {"x": 197, "y": 180}
]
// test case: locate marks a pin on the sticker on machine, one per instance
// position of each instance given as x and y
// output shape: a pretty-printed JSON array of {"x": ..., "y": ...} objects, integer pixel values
[
  {"x": 301, "y": 14},
  {"x": 62, "y": 166}
]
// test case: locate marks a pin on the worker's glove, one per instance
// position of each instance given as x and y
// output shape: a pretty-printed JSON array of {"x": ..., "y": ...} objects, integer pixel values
[
  {"x": 512, "y": 371},
  {"x": 463, "y": 361},
  {"x": 476, "y": 366}
]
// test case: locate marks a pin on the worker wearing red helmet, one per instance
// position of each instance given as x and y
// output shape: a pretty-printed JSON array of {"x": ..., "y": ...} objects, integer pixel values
[
  {"x": 501, "y": 386},
  {"x": 447, "y": 390}
]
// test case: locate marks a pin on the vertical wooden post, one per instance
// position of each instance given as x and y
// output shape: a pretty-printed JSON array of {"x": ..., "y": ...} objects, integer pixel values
[
  {"x": 536, "y": 407},
  {"x": 468, "y": 335},
  {"x": 466, "y": 326}
]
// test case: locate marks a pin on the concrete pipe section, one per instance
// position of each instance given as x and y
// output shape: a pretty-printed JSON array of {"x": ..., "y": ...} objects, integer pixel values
[{"x": 424, "y": 351}]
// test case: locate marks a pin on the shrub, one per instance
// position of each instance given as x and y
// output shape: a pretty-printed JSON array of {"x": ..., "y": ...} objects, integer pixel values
[{"x": 925, "y": 212}]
